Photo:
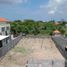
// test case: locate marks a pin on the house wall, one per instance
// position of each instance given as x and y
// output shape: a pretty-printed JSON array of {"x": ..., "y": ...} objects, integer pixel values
[
  {"x": 5, "y": 26},
  {"x": 5, "y": 46}
]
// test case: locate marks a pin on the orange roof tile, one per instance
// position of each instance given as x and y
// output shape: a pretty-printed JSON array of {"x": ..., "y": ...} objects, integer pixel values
[
  {"x": 3, "y": 20},
  {"x": 56, "y": 31}
]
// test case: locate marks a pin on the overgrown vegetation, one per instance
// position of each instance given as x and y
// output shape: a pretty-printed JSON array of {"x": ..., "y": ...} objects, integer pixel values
[
  {"x": 37, "y": 27},
  {"x": 22, "y": 50}
]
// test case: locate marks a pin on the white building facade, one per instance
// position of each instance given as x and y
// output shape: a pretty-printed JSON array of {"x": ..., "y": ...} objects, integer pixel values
[
  {"x": 4, "y": 35},
  {"x": 4, "y": 28}
]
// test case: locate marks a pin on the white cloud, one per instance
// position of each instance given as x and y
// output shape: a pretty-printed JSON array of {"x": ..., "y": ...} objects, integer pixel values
[
  {"x": 12, "y": 1},
  {"x": 51, "y": 12},
  {"x": 55, "y": 6}
]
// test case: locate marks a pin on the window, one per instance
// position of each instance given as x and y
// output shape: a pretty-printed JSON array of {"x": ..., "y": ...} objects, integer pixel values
[
  {"x": 0, "y": 33},
  {"x": 6, "y": 33},
  {"x": 7, "y": 28},
  {"x": 3, "y": 29},
  {"x": 0, "y": 44}
]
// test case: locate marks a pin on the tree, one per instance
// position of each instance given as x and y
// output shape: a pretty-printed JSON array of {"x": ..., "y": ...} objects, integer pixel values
[{"x": 35, "y": 27}]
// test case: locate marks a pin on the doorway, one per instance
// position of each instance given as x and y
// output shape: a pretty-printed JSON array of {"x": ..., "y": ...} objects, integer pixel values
[{"x": 0, "y": 44}]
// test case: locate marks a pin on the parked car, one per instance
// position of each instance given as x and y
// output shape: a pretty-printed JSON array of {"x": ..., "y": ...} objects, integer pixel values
[{"x": 23, "y": 34}]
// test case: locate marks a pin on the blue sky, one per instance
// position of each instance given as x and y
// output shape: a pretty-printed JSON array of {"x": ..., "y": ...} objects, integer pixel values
[{"x": 33, "y": 9}]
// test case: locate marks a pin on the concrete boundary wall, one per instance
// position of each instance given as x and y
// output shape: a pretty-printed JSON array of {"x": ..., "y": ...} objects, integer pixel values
[
  {"x": 10, "y": 45},
  {"x": 60, "y": 44},
  {"x": 16, "y": 40},
  {"x": 36, "y": 36},
  {"x": 46, "y": 63}
]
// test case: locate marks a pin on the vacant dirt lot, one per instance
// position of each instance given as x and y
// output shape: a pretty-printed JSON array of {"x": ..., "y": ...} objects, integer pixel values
[
  {"x": 18, "y": 56},
  {"x": 29, "y": 48}
]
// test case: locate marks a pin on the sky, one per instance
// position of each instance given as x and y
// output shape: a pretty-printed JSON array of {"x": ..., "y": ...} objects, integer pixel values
[{"x": 33, "y": 9}]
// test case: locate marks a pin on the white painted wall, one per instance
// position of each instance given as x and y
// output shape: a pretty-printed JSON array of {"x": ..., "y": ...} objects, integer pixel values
[{"x": 4, "y": 25}]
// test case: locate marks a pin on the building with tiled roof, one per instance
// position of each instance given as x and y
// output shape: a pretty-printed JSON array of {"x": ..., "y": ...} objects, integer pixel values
[
  {"x": 56, "y": 23},
  {"x": 4, "y": 32},
  {"x": 3, "y": 20},
  {"x": 56, "y": 32},
  {"x": 4, "y": 26}
]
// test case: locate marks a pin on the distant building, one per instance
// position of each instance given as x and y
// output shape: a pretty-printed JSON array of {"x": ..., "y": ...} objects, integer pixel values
[
  {"x": 56, "y": 23},
  {"x": 66, "y": 25},
  {"x": 56, "y": 33}
]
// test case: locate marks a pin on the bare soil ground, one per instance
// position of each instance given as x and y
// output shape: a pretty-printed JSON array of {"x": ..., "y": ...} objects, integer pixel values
[
  {"x": 18, "y": 56},
  {"x": 26, "y": 48}
]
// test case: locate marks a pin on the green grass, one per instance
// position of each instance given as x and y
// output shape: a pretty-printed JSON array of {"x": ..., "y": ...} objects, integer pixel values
[{"x": 22, "y": 50}]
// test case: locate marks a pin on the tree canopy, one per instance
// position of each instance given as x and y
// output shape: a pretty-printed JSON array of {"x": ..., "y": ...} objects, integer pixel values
[{"x": 36, "y": 27}]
